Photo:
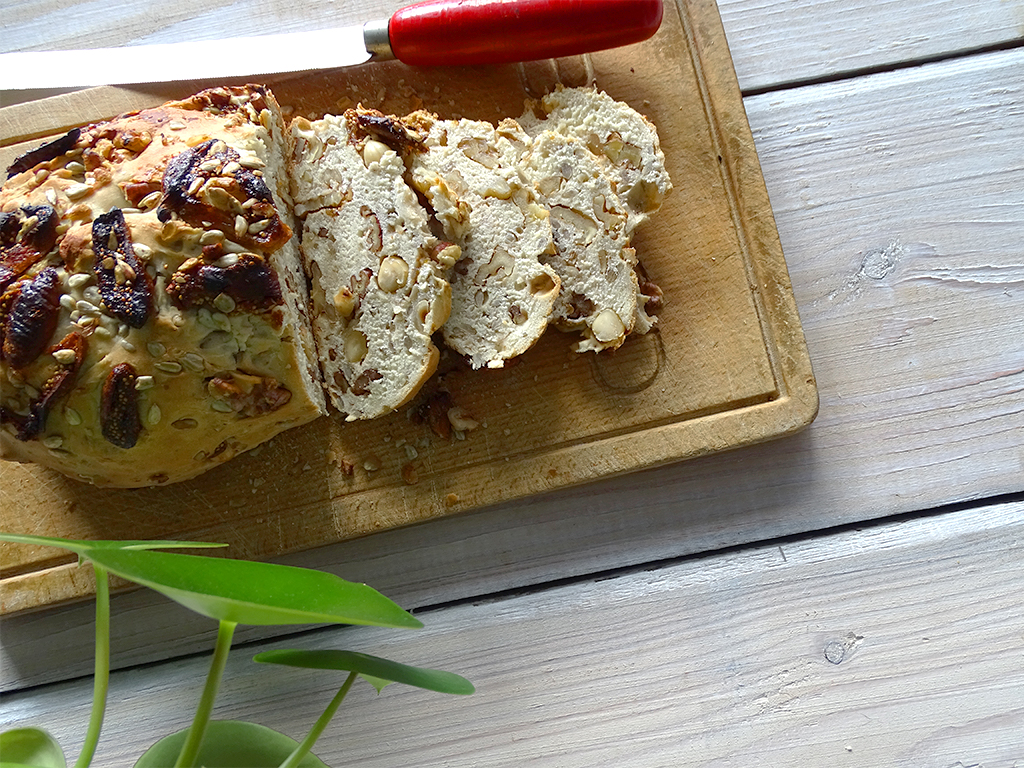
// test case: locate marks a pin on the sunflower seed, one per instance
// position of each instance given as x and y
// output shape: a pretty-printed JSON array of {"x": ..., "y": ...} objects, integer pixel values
[
  {"x": 193, "y": 362},
  {"x": 79, "y": 280},
  {"x": 168, "y": 366},
  {"x": 224, "y": 303},
  {"x": 77, "y": 191},
  {"x": 150, "y": 200}
]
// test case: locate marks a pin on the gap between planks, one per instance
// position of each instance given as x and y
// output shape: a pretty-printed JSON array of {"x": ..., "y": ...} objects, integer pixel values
[{"x": 877, "y": 69}]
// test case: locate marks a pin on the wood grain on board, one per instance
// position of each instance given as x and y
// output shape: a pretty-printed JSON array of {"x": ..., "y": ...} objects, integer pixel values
[{"x": 728, "y": 368}]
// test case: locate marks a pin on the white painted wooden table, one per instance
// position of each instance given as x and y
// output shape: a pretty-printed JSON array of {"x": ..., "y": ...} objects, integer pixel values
[{"x": 853, "y": 595}]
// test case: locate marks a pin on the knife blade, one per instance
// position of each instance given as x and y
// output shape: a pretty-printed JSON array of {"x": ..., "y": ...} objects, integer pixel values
[{"x": 429, "y": 33}]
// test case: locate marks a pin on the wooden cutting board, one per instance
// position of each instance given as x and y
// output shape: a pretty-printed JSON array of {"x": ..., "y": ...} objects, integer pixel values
[{"x": 729, "y": 366}]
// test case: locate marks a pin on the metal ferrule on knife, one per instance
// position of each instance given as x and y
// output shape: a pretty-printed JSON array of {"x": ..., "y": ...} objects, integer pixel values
[{"x": 376, "y": 40}]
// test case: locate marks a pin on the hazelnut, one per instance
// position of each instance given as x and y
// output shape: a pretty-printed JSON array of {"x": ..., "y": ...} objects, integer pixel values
[
  {"x": 373, "y": 151},
  {"x": 392, "y": 274},
  {"x": 345, "y": 301},
  {"x": 607, "y": 326},
  {"x": 354, "y": 345},
  {"x": 447, "y": 254}
]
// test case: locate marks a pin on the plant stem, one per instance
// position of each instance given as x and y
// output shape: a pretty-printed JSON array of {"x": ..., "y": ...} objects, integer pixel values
[
  {"x": 318, "y": 727},
  {"x": 194, "y": 740},
  {"x": 101, "y": 669}
]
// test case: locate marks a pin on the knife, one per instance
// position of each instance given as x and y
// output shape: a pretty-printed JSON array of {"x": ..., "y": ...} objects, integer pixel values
[{"x": 430, "y": 33}]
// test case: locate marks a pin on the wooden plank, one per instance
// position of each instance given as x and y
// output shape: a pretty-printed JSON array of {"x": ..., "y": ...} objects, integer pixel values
[
  {"x": 778, "y": 44},
  {"x": 772, "y": 43},
  {"x": 894, "y": 645},
  {"x": 919, "y": 370},
  {"x": 728, "y": 366}
]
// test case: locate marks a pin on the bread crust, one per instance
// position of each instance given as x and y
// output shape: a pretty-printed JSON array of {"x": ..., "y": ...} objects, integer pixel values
[{"x": 165, "y": 384}]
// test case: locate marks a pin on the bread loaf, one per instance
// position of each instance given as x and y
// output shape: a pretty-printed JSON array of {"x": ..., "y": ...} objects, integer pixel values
[{"x": 153, "y": 305}]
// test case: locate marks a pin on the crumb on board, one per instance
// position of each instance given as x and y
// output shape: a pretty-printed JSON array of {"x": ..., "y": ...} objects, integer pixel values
[
  {"x": 409, "y": 474},
  {"x": 336, "y": 459}
]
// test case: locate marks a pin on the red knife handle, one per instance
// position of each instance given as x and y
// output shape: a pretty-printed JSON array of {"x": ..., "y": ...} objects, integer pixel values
[{"x": 463, "y": 32}]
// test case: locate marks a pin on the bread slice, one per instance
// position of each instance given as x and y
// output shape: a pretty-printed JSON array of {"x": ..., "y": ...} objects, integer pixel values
[
  {"x": 502, "y": 295},
  {"x": 629, "y": 148},
  {"x": 156, "y": 327},
  {"x": 378, "y": 275},
  {"x": 611, "y": 129},
  {"x": 593, "y": 257}
]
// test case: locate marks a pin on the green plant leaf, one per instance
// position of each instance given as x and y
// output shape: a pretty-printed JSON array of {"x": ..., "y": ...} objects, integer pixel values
[
  {"x": 246, "y": 592},
  {"x": 30, "y": 747},
  {"x": 239, "y": 591},
  {"x": 230, "y": 744},
  {"x": 79, "y": 546},
  {"x": 383, "y": 670},
  {"x": 378, "y": 683}
]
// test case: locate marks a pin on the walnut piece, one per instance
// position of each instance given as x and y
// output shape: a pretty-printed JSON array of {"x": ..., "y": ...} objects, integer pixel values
[
  {"x": 248, "y": 394},
  {"x": 361, "y": 386},
  {"x": 651, "y": 291},
  {"x": 434, "y": 411}
]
